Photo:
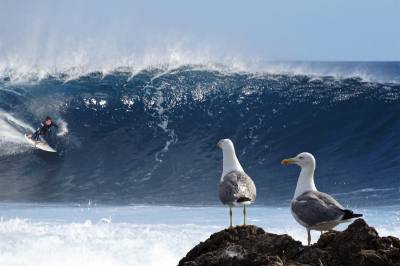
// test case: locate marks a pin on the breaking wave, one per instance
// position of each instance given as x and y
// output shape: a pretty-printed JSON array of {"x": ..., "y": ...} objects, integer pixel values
[{"x": 148, "y": 136}]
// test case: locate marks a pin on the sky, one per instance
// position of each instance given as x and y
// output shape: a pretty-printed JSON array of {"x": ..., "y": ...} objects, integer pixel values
[{"x": 76, "y": 31}]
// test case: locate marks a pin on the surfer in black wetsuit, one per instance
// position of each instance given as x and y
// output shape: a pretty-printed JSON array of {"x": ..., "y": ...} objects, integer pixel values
[{"x": 44, "y": 129}]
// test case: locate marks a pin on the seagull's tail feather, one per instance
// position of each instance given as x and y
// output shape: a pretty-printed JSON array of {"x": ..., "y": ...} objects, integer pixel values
[
  {"x": 348, "y": 214},
  {"x": 243, "y": 200}
]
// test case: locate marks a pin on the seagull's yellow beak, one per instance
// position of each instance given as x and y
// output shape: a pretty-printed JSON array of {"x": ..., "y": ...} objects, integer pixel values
[{"x": 288, "y": 161}]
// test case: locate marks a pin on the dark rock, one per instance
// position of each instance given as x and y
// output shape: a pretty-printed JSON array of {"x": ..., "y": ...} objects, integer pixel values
[{"x": 359, "y": 244}]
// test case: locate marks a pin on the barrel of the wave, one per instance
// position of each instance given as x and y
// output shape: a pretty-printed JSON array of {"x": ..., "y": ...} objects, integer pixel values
[{"x": 236, "y": 188}]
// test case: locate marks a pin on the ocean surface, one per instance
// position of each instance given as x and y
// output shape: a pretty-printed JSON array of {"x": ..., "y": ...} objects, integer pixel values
[
  {"x": 149, "y": 136},
  {"x": 134, "y": 180},
  {"x": 51, "y": 234}
]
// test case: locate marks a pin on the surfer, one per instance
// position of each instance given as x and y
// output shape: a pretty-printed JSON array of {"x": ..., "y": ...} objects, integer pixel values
[{"x": 44, "y": 129}]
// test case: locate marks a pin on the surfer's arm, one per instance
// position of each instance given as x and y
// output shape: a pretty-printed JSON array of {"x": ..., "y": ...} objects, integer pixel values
[{"x": 39, "y": 129}]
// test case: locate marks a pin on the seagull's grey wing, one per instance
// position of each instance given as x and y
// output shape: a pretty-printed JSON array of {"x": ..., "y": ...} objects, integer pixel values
[
  {"x": 227, "y": 190},
  {"x": 235, "y": 187},
  {"x": 315, "y": 207},
  {"x": 247, "y": 188},
  {"x": 328, "y": 199}
]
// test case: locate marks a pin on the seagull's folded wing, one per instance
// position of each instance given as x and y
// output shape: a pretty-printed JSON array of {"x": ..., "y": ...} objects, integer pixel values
[
  {"x": 313, "y": 208},
  {"x": 236, "y": 185}
]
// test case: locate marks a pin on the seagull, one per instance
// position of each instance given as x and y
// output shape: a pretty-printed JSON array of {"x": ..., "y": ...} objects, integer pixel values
[
  {"x": 313, "y": 209},
  {"x": 236, "y": 188}
]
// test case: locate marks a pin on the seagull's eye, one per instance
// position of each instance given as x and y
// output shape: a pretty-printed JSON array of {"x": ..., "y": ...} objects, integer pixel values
[{"x": 301, "y": 157}]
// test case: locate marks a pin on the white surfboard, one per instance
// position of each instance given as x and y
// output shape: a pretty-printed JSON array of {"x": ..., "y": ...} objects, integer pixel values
[{"x": 42, "y": 145}]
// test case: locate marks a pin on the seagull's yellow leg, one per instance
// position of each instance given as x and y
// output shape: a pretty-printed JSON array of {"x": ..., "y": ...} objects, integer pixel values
[
  {"x": 244, "y": 215},
  {"x": 309, "y": 236},
  {"x": 230, "y": 217}
]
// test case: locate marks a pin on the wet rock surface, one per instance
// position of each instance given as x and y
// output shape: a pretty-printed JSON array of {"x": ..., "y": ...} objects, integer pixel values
[{"x": 359, "y": 244}]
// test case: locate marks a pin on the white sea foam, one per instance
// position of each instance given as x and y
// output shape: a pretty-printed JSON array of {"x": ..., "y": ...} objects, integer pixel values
[
  {"x": 87, "y": 243},
  {"x": 12, "y": 131},
  {"x": 134, "y": 235},
  {"x": 62, "y": 127}
]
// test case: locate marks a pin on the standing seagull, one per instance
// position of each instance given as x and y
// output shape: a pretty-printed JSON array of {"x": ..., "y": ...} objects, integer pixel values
[
  {"x": 236, "y": 188},
  {"x": 313, "y": 209}
]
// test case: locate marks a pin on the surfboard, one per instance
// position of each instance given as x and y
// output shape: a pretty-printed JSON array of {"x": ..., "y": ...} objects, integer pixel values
[{"x": 41, "y": 145}]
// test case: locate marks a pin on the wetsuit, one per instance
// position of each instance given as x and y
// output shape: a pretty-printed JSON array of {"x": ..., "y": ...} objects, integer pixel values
[{"x": 42, "y": 131}]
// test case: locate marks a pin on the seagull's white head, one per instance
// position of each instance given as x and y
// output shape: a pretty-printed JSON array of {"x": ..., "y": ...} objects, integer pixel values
[
  {"x": 303, "y": 159},
  {"x": 305, "y": 181},
  {"x": 230, "y": 161},
  {"x": 225, "y": 144}
]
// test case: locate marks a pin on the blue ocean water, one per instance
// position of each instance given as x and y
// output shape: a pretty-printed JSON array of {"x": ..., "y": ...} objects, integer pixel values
[
  {"x": 134, "y": 182},
  {"x": 148, "y": 137}
]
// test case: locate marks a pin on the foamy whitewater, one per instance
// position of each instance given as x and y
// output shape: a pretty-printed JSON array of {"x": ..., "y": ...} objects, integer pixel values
[{"x": 43, "y": 234}]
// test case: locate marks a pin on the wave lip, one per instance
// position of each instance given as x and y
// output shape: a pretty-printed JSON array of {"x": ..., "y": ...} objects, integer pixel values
[{"x": 384, "y": 72}]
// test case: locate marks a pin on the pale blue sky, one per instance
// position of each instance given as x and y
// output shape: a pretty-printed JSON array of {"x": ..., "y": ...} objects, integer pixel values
[{"x": 360, "y": 30}]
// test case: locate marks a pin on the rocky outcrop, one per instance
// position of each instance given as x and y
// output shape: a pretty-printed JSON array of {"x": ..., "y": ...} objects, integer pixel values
[{"x": 359, "y": 244}]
